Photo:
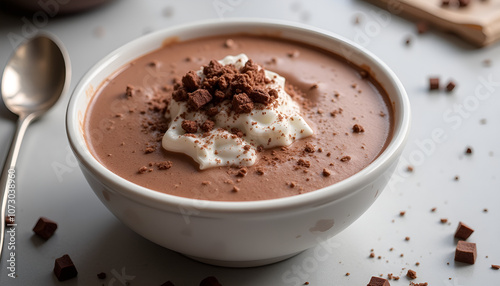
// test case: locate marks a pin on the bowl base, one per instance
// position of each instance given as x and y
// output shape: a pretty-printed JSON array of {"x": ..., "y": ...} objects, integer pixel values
[{"x": 242, "y": 264}]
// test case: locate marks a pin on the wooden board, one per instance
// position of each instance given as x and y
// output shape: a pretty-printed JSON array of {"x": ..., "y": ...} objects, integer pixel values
[{"x": 477, "y": 23}]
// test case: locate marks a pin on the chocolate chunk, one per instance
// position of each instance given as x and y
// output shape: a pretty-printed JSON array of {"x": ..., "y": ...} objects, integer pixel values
[
  {"x": 64, "y": 268},
  {"x": 466, "y": 252},
  {"x": 378, "y": 281},
  {"x": 180, "y": 94},
  {"x": 249, "y": 66},
  {"x": 45, "y": 228},
  {"x": 191, "y": 81},
  {"x": 450, "y": 86},
  {"x": 273, "y": 93},
  {"x": 168, "y": 283},
  {"x": 358, "y": 128},
  {"x": 242, "y": 83},
  {"x": 210, "y": 281},
  {"x": 411, "y": 274},
  {"x": 164, "y": 165},
  {"x": 433, "y": 83},
  {"x": 189, "y": 126},
  {"x": 463, "y": 231},
  {"x": 207, "y": 126},
  {"x": 242, "y": 103},
  {"x": 214, "y": 68},
  {"x": 101, "y": 275},
  {"x": 242, "y": 172},
  {"x": 260, "y": 96},
  {"x": 304, "y": 163},
  {"x": 198, "y": 98}
]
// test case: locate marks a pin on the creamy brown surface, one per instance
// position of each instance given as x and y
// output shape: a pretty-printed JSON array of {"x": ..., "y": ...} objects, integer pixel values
[{"x": 124, "y": 132}]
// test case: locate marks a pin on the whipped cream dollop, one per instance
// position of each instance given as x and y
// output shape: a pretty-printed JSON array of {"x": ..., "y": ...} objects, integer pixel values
[{"x": 234, "y": 138}]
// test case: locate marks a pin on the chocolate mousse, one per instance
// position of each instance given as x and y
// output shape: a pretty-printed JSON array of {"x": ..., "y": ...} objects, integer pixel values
[{"x": 261, "y": 118}]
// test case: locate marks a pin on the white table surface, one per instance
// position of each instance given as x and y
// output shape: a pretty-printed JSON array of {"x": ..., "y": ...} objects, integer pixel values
[{"x": 50, "y": 184}]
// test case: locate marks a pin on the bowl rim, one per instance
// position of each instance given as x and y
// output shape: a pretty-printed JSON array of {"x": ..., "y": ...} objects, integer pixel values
[{"x": 314, "y": 198}]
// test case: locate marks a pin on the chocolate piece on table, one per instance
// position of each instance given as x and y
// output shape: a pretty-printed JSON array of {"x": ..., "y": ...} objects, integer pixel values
[
  {"x": 463, "y": 231},
  {"x": 466, "y": 252},
  {"x": 64, "y": 268},
  {"x": 378, "y": 281},
  {"x": 45, "y": 227},
  {"x": 411, "y": 274},
  {"x": 450, "y": 86},
  {"x": 433, "y": 83}
]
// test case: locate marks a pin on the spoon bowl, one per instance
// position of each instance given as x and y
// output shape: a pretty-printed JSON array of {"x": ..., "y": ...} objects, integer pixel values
[{"x": 34, "y": 79}]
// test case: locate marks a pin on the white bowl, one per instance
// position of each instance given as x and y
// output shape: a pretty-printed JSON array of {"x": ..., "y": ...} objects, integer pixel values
[{"x": 239, "y": 234}]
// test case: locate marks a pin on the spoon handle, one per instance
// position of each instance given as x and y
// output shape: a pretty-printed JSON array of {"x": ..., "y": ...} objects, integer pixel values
[{"x": 8, "y": 179}]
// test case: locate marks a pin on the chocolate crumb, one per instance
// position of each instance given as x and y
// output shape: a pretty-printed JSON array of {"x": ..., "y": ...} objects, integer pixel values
[
  {"x": 417, "y": 263},
  {"x": 495, "y": 266},
  {"x": 485, "y": 210},
  {"x": 229, "y": 43},
  {"x": 409, "y": 168},
  {"x": 164, "y": 165},
  {"x": 433, "y": 83},
  {"x": 372, "y": 255},
  {"x": 142, "y": 170},
  {"x": 433, "y": 209},
  {"x": 326, "y": 172},
  {"x": 358, "y": 128},
  {"x": 242, "y": 172},
  {"x": 129, "y": 91},
  {"x": 419, "y": 284},
  {"x": 64, "y": 268},
  {"x": 149, "y": 150},
  {"x": 466, "y": 252},
  {"x": 101, "y": 275},
  {"x": 444, "y": 220},
  {"x": 402, "y": 213},
  {"x": 210, "y": 281},
  {"x": 468, "y": 150},
  {"x": 310, "y": 148},
  {"x": 463, "y": 231},
  {"x": 411, "y": 274},
  {"x": 207, "y": 126},
  {"x": 304, "y": 163},
  {"x": 45, "y": 228},
  {"x": 407, "y": 238},
  {"x": 236, "y": 189},
  {"x": 345, "y": 159},
  {"x": 378, "y": 281},
  {"x": 206, "y": 183},
  {"x": 189, "y": 126},
  {"x": 260, "y": 171}
]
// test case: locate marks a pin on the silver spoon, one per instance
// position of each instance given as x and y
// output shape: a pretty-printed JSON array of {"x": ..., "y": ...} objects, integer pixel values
[{"x": 32, "y": 82}]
